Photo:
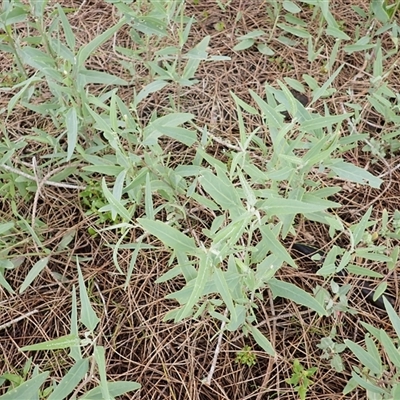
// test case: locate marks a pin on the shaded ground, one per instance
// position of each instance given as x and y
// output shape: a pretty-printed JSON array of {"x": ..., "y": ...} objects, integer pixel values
[{"x": 171, "y": 360}]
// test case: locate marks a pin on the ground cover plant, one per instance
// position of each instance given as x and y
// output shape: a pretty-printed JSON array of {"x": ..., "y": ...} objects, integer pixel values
[{"x": 159, "y": 159}]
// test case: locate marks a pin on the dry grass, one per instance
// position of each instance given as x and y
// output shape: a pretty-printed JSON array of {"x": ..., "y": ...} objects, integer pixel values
[{"x": 170, "y": 360}]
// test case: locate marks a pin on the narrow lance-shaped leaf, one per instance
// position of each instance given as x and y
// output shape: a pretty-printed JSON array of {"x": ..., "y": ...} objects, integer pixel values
[
  {"x": 292, "y": 292},
  {"x": 221, "y": 189},
  {"x": 33, "y": 273},
  {"x": 70, "y": 381},
  {"x": 114, "y": 388},
  {"x": 353, "y": 173},
  {"x": 261, "y": 340},
  {"x": 62, "y": 342},
  {"x": 170, "y": 236},
  {"x": 223, "y": 289},
  {"x": 89, "y": 49},
  {"x": 365, "y": 358},
  {"x": 99, "y": 355},
  {"x": 200, "y": 283},
  {"x": 71, "y": 122},
  {"x": 28, "y": 390},
  {"x": 88, "y": 316}
]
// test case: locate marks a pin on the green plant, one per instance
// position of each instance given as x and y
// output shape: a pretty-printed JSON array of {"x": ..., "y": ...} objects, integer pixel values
[
  {"x": 331, "y": 351},
  {"x": 380, "y": 379},
  {"x": 81, "y": 373},
  {"x": 301, "y": 378},
  {"x": 246, "y": 356}
]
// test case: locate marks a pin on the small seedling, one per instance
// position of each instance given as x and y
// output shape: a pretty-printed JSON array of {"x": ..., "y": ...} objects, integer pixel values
[
  {"x": 301, "y": 378},
  {"x": 246, "y": 356}
]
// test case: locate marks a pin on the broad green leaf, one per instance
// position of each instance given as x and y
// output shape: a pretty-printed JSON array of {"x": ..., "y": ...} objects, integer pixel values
[
  {"x": 264, "y": 49},
  {"x": 71, "y": 122},
  {"x": 170, "y": 274},
  {"x": 244, "y": 44},
  {"x": 70, "y": 381},
  {"x": 27, "y": 390},
  {"x": 115, "y": 389},
  {"x": 88, "y": 316},
  {"x": 132, "y": 264},
  {"x": 395, "y": 391},
  {"x": 293, "y": 83},
  {"x": 291, "y": 7},
  {"x": 261, "y": 340},
  {"x": 372, "y": 349},
  {"x": 42, "y": 62},
  {"x": 168, "y": 125},
  {"x": 241, "y": 313},
  {"x": 33, "y": 273},
  {"x": 371, "y": 329},
  {"x": 360, "y": 45},
  {"x": 244, "y": 105},
  {"x": 112, "y": 170},
  {"x": 182, "y": 135},
  {"x": 62, "y": 342},
  {"x": 171, "y": 237},
  {"x": 365, "y": 358},
  {"x": 379, "y": 10},
  {"x": 355, "y": 174},
  {"x": 231, "y": 233},
  {"x": 294, "y": 293}
]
